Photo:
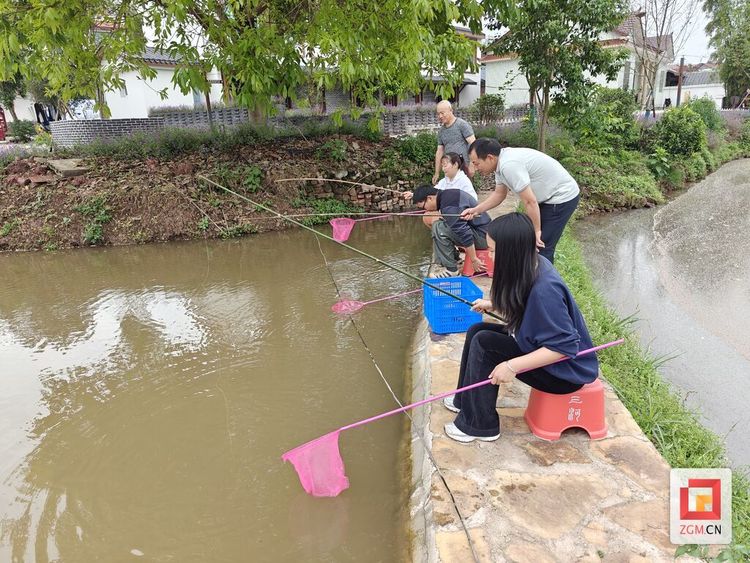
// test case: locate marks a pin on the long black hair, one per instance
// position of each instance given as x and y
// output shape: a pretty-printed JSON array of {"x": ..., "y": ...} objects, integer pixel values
[{"x": 516, "y": 262}]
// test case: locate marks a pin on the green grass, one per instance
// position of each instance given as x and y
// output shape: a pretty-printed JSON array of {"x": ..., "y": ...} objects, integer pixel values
[{"x": 660, "y": 412}]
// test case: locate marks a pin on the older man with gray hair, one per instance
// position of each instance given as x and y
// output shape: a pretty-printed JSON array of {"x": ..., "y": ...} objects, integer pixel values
[{"x": 454, "y": 135}]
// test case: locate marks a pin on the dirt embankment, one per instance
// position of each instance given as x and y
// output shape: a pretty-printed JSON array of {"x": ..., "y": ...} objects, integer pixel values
[{"x": 120, "y": 202}]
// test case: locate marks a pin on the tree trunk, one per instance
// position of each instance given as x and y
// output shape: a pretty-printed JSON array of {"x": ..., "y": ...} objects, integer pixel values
[
  {"x": 12, "y": 112},
  {"x": 542, "y": 144}
]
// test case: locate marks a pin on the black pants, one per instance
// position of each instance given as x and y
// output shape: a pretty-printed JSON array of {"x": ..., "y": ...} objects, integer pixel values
[
  {"x": 487, "y": 345},
  {"x": 554, "y": 217}
]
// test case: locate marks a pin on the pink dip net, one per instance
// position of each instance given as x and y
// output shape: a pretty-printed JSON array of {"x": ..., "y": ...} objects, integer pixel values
[
  {"x": 319, "y": 466},
  {"x": 347, "y": 306},
  {"x": 342, "y": 228}
]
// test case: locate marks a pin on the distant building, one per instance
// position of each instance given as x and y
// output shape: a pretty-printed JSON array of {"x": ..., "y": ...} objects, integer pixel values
[
  {"x": 698, "y": 81},
  {"x": 502, "y": 74}
]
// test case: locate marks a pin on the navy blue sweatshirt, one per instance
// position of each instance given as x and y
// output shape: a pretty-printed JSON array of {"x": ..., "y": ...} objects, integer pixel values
[
  {"x": 552, "y": 320},
  {"x": 453, "y": 202}
]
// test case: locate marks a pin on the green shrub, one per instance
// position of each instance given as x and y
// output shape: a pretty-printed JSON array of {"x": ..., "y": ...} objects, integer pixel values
[
  {"x": 620, "y": 180},
  {"x": 487, "y": 108},
  {"x": 730, "y": 151},
  {"x": 323, "y": 206},
  {"x": 745, "y": 134},
  {"x": 560, "y": 146},
  {"x": 605, "y": 124},
  {"x": 706, "y": 109},
  {"x": 697, "y": 167},
  {"x": 335, "y": 150},
  {"x": 96, "y": 210},
  {"x": 659, "y": 163},
  {"x": 22, "y": 130},
  {"x": 526, "y": 135},
  {"x": 681, "y": 131},
  {"x": 420, "y": 149},
  {"x": 248, "y": 177},
  {"x": 708, "y": 159},
  {"x": 675, "y": 178}
]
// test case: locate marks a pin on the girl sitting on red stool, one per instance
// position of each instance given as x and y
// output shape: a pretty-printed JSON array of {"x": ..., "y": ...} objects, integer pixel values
[{"x": 542, "y": 324}]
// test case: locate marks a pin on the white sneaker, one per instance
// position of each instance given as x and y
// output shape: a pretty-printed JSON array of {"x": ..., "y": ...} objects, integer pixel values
[
  {"x": 448, "y": 404},
  {"x": 452, "y": 431}
]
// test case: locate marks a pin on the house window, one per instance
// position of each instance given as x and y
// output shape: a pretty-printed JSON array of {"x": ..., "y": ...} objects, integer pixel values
[
  {"x": 418, "y": 98},
  {"x": 390, "y": 100}
]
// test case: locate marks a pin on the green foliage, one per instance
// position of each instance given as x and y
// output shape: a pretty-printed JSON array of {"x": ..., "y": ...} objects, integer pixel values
[
  {"x": 335, "y": 150},
  {"x": 43, "y": 139},
  {"x": 323, "y": 206},
  {"x": 487, "y": 108},
  {"x": 706, "y": 109},
  {"x": 273, "y": 49},
  {"x": 22, "y": 130},
  {"x": 729, "y": 31},
  {"x": 659, "y": 163},
  {"x": 709, "y": 159},
  {"x": 745, "y": 134},
  {"x": 204, "y": 224},
  {"x": 9, "y": 227},
  {"x": 730, "y": 151},
  {"x": 559, "y": 50},
  {"x": 605, "y": 121},
  {"x": 617, "y": 180},
  {"x": 171, "y": 143},
  {"x": 247, "y": 177},
  {"x": 420, "y": 149},
  {"x": 96, "y": 210},
  {"x": 390, "y": 162},
  {"x": 681, "y": 131},
  {"x": 238, "y": 231}
]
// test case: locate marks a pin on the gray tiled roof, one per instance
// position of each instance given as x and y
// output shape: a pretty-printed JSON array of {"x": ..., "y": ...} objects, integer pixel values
[
  {"x": 155, "y": 56},
  {"x": 707, "y": 76}
]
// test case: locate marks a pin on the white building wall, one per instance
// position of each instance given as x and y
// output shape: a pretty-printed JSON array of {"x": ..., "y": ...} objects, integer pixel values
[
  {"x": 714, "y": 91},
  {"x": 24, "y": 109},
  {"x": 496, "y": 75},
  {"x": 142, "y": 95}
]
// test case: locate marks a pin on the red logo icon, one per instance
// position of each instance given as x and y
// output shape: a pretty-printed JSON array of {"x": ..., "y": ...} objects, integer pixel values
[{"x": 701, "y": 500}]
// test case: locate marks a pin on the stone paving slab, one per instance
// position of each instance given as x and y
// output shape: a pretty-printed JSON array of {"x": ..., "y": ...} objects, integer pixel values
[{"x": 67, "y": 167}]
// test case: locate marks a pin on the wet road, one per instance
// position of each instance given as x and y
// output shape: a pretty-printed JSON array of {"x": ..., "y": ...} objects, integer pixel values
[{"x": 682, "y": 270}]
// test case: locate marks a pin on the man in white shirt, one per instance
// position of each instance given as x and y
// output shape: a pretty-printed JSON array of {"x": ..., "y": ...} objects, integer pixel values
[{"x": 548, "y": 191}]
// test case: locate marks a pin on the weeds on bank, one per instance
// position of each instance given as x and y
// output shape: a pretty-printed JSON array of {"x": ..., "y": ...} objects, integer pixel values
[
  {"x": 97, "y": 211},
  {"x": 662, "y": 415}
]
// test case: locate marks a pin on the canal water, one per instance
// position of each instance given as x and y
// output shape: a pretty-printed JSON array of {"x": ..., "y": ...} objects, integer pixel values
[
  {"x": 148, "y": 392},
  {"x": 683, "y": 270}
]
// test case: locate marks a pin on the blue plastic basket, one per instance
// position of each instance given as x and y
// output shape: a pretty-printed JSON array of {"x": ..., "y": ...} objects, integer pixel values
[{"x": 445, "y": 314}]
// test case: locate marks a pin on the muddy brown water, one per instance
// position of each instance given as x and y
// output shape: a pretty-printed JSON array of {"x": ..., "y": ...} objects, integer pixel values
[{"x": 147, "y": 394}]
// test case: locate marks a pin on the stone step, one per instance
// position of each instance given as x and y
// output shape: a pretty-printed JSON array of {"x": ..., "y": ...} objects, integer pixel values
[{"x": 68, "y": 167}]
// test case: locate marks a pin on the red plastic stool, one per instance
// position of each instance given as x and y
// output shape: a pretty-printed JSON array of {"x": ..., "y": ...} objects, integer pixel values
[
  {"x": 549, "y": 415},
  {"x": 484, "y": 256}
]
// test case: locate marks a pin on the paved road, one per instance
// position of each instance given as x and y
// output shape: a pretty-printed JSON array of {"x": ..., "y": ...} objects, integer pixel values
[{"x": 683, "y": 269}]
